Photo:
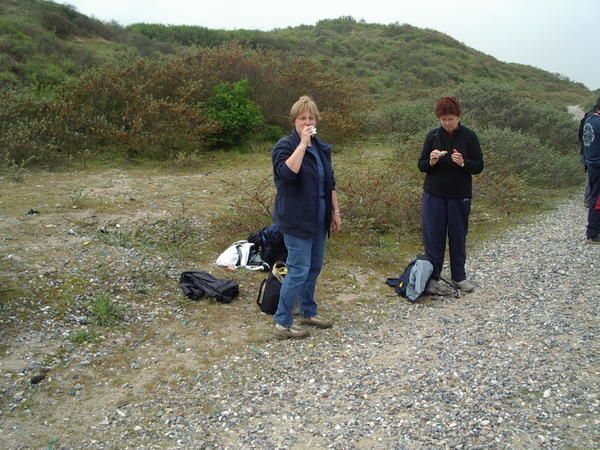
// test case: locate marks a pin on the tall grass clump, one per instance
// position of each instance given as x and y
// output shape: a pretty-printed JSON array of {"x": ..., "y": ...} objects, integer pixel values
[
  {"x": 250, "y": 211},
  {"x": 104, "y": 312},
  {"x": 380, "y": 198}
]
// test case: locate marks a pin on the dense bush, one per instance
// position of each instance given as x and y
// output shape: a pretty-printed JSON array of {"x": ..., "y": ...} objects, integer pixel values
[
  {"x": 232, "y": 109},
  {"x": 404, "y": 119},
  {"x": 488, "y": 104},
  {"x": 538, "y": 164},
  {"x": 181, "y": 34},
  {"x": 381, "y": 197},
  {"x": 159, "y": 107},
  {"x": 484, "y": 104},
  {"x": 43, "y": 43},
  {"x": 24, "y": 123},
  {"x": 534, "y": 140}
]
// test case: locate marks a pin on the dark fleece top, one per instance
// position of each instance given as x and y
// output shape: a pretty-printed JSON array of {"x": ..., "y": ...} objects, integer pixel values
[
  {"x": 447, "y": 179},
  {"x": 296, "y": 209}
]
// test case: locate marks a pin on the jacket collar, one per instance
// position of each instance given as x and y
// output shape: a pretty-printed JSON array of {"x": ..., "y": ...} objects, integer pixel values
[{"x": 458, "y": 130}]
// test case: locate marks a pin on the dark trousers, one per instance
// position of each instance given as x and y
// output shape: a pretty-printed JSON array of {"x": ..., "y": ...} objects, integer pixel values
[
  {"x": 593, "y": 225},
  {"x": 446, "y": 217}
]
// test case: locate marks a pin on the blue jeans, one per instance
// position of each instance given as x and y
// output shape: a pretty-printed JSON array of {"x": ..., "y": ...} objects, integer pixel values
[
  {"x": 304, "y": 263},
  {"x": 446, "y": 217}
]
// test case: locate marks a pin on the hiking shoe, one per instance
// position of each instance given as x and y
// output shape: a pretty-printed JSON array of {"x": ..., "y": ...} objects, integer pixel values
[
  {"x": 315, "y": 321},
  {"x": 291, "y": 332},
  {"x": 464, "y": 285},
  {"x": 434, "y": 288},
  {"x": 594, "y": 240}
]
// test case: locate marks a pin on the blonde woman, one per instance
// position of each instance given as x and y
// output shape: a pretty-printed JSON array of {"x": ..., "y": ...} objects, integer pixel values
[{"x": 306, "y": 208}]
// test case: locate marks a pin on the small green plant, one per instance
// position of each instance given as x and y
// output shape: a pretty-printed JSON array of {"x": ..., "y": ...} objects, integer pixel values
[
  {"x": 104, "y": 312},
  {"x": 26, "y": 404},
  {"x": 83, "y": 336},
  {"x": 116, "y": 238},
  {"x": 52, "y": 442},
  {"x": 78, "y": 199}
]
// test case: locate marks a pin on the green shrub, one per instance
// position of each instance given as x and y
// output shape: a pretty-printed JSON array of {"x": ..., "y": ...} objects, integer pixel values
[
  {"x": 524, "y": 155},
  {"x": 488, "y": 104},
  {"x": 404, "y": 119},
  {"x": 381, "y": 198},
  {"x": 58, "y": 24},
  {"x": 25, "y": 129},
  {"x": 500, "y": 190},
  {"x": 160, "y": 107},
  {"x": 232, "y": 109},
  {"x": 484, "y": 104}
]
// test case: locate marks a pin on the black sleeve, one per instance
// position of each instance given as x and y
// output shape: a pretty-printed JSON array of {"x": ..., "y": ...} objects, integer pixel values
[{"x": 474, "y": 162}]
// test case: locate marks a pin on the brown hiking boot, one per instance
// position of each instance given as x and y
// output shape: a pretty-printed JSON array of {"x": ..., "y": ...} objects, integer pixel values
[
  {"x": 291, "y": 332},
  {"x": 315, "y": 321}
]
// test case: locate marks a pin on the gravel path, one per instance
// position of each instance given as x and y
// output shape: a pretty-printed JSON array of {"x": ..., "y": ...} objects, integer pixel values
[{"x": 512, "y": 365}]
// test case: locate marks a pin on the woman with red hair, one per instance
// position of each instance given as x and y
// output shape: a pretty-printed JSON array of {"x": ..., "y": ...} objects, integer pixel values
[{"x": 451, "y": 155}]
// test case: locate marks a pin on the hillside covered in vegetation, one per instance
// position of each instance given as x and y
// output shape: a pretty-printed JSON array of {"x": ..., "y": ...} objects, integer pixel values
[
  {"x": 43, "y": 43},
  {"x": 395, "y": 61},
  {"x": 74, "y": 88}
]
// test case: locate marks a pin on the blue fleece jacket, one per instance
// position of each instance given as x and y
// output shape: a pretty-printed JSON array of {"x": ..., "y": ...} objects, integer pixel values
[
  {"x": 296, "y": 209},
  {"x": 591, "y": 140}
]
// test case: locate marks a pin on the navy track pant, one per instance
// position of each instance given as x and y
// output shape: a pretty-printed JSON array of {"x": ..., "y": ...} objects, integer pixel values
[
  {"x": 446, "y": 217},
  {"x": 593, "y": 225}
]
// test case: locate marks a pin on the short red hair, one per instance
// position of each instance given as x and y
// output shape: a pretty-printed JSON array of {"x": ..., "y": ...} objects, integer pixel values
[{"x": 447, "y": 106}]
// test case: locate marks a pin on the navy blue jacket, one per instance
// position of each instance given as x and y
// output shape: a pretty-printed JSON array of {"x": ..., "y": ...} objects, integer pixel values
[
  {"x": 591, "y": 140},
  {"x": 296, "y": 209},
  {"x": 446, "y": 179}
]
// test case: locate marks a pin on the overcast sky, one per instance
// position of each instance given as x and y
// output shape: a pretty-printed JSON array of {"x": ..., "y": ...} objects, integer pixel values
[{"x": 559, "y": 36}]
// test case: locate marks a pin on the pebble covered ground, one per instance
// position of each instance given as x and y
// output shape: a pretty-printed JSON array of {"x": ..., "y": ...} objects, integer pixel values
[{"x": 513, "y": 365}]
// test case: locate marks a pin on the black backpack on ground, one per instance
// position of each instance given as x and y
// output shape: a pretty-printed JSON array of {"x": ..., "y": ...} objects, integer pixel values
[
  {"x": 414, "y": 279},
  {"x": 198, "y": 283},
  {"x": 270, "y": 244},
  {"x": 268, "y": 292}
]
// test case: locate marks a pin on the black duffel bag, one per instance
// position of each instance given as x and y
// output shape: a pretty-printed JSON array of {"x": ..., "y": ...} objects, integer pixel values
[{"x": 198, "y": 283}]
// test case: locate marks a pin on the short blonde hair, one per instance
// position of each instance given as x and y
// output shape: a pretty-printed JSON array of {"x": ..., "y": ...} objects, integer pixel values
[{"x": 302, "y": 104}]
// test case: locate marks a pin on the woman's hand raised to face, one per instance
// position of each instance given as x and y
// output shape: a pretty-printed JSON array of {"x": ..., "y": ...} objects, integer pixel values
[{"x": 305, "y": 135}]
